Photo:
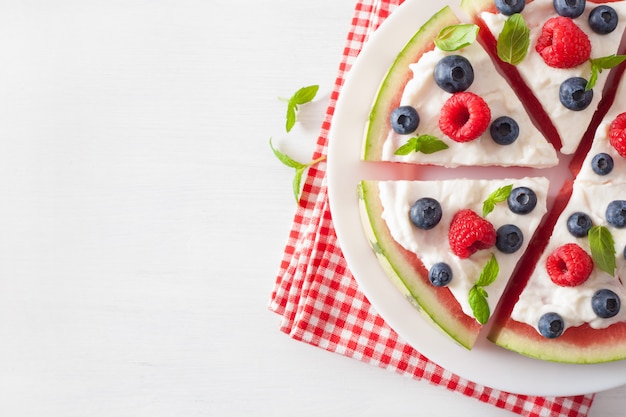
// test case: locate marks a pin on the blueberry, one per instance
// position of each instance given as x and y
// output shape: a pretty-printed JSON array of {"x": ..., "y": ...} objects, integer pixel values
[
  {"x": 624, "y": 252},
  {"x": 551, "y": 325},
  {"x": 440, "y": 274},
  {"x": 454, "y": 73},
  {"x": 602, "y": 163},
  {"x": 509, "y": 238},
  {"x": 569, "y": 8},
  {"x": 522, "y": 200},
  {"x": 579, "y": 224},
  {"x": 504, "y": 130},
  {"x": 573, "y": 94},
  {"x": 605, "y": 303},
  {"x": 509, "y": 7},
  {"x": 404, "y": 120},
  {"x": 603, "y": 19},
  {"x": 425, "y": 213},
  {"x": 616, "y": 213}
]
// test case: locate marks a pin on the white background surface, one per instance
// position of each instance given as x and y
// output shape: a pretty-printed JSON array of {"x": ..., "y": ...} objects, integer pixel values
[{"x": 143, "y": 216}]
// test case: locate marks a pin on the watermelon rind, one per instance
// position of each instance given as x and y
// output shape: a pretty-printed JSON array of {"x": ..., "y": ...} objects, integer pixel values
[{"x": 407, "y": 272}]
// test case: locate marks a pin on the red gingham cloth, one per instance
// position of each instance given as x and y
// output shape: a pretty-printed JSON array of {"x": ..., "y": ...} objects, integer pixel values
[{"x": 319, "y": 300}]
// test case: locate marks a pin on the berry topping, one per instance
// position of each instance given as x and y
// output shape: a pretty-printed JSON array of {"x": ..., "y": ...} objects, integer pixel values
[
  {"x": 509, "y": 238},
  {"x": 404, "y": 120},
  {"x": 454, "y": 73},
  {"x": 562, "y": 44},
  {"x": 440, "y": 274},
  {"x": 605, "y": 303},
  {"x": 522, "y": 200},
  {"x": 509, "y": 7},
  {"x": 504, "y": 130},
  {"x": 469, "y": 233},
  {"x": 425, "y": 213},
  {"x": 464, "y": 117},
  {"x": 551, "y": 325},
  {"x": 617, "y": 134},
  {"x": 579, "y": 224},
  {"x": 602, "y": 163},
  {"x": 603, "y": 19},
  {"x": 574, "y": 95},
  {"x": 569, "y": 8},
  {"x": 569, "y": 265},
  {"x": 616, "y": 213}
]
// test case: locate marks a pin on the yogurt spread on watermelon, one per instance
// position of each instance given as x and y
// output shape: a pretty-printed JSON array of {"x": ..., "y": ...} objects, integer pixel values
[
  {"x": 432, "y": 245},
  {"x": 545, "y": 81},
  {"x": 422, "y": 93}
]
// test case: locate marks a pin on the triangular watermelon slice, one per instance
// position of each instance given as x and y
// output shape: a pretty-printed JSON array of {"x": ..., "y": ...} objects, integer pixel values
[
  {"x": 410, "y": 82},
  {"x": 412, "y": 254}
]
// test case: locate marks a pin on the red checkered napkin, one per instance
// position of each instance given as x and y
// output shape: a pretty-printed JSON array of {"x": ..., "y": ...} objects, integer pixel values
[{"x": 319, "y": 300}]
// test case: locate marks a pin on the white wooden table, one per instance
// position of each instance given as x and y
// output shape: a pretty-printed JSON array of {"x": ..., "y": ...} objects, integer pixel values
[{"x": 143, "y": 216}]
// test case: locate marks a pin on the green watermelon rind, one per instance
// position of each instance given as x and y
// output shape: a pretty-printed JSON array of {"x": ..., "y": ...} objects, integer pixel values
[
  {"x": 390, "y": 91},
  {"x": 406, "y": 271}
]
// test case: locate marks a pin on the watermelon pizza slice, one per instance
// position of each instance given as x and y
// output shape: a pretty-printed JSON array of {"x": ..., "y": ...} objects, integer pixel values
[
  {"x": 451, "y": 245},
  {"x": 556, "y": 55},
  {"x": 443, "y": 103}
]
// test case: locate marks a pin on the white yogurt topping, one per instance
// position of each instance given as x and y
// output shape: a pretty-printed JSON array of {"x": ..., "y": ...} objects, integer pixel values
[
  {"x": 421, "y": 92},
  {"x": 545, "y": 81},
  {"x": 453, "y": 195}
]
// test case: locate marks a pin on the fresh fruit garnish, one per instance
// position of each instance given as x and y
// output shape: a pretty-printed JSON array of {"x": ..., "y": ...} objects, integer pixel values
[
  {"x": 509, "y": 238},
  {"x": 504, "y": 130},
  {"x": 562, "y": 44},
  {"x": 509, "y": 7},
  {"x": 440, "y": 274},
  {"x": 578, "y": 224},
  {"x": 454, "y": 73},
  {"x": 464, "y": 117},
  {"x": 470, "y": 233},
  {"x": 602, "y": 163},
  {"x": 569, "y": 265},
  {"x": 522, "y": 200},
  {"x": 404, "y": 120},
  {"x": 425, "y": 213},
  {"x": 574, "y": 94},
  {"x": 569, "y": 8},
  {"x": 605, "y": 303},
  {"x": 551, "y": 325},
  {"x": 617, "y": 134},
  {"x": 616, "y": 213},
  {"x": 603, "y": 19}
]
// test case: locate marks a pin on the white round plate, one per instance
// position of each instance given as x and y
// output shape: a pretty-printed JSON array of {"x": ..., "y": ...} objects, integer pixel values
[{"x": 486, "y": 364}]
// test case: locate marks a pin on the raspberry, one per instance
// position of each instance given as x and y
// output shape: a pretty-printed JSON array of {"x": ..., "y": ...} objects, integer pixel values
[
  {"x": 562, "y": 44},
  {"x": 469, "y": 233},
  {"x": 617, "y": 134},
  {"x": 464, "y": 117},
  {"x": 569, "y": 265}
]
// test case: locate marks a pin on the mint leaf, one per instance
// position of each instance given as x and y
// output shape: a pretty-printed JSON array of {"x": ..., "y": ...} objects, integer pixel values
[
  {"x": 602, "y": 248},
  {"x": 298, "y": 166},
  {"x": 478, "y": 303},
  {"x": 514, "y": 40},
  {"x": 455, "y": 37},
  {"x": 489, "y": 273},
  {"x": 424, "y": 143},
  {"x": 498, "y": 196},
  {"x": 302, "y": 96},
  {"x": 599, "y": 64}
]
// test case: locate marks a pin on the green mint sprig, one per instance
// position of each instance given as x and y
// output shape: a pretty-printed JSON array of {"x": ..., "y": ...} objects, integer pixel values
[
  {"x": 477, "y": 294},
  {"x": 298, "y": 166},
  {"x": 514, "y": 40},
  {"x": 602, "y": 248},
  {"x": 599, "y": 64},
  {"x": 302, "y": 96},
  {"x": 455, "y": 37},
  {"x": 498, "y": 196},
  {"x": 423, "y": 143}
]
